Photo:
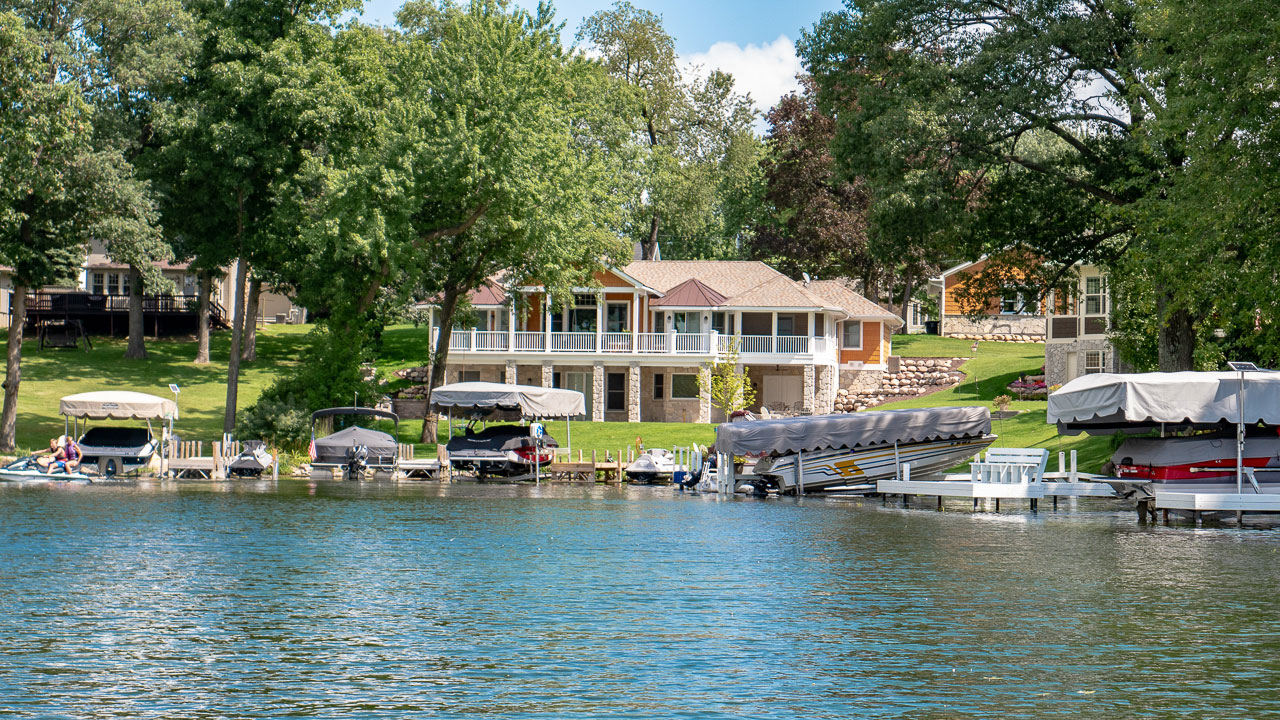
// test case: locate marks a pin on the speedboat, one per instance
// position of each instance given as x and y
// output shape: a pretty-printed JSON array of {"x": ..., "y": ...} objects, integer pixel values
[
  {"x": 1199, "y": 432},
  {"x": 851, "y": 451},
  {"x": 651, "y": 466},
  {"x": 502, "y": 451},
  {"x": 27, "y": 470}
]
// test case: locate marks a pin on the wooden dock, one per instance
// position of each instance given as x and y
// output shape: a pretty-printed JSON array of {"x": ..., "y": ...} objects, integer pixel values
[{"x": 1005, "y": 475}]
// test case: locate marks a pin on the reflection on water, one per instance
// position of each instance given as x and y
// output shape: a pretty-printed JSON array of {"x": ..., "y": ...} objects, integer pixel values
[{"x": 385, "y": 601}]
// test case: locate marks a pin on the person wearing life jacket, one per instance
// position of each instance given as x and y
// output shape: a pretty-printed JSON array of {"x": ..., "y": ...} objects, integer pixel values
[{"x": 71, "y": 455}]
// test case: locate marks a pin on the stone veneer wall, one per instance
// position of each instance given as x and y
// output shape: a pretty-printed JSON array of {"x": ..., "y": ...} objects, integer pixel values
[
  {"x": 1055, "y": 358},
  {"x": 1032, "y": 325}
]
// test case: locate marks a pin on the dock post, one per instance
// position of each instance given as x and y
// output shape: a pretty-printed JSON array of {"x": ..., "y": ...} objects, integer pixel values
[
  {"x": 997, "y": 504},
  {"x": 800, "y": 472},
  {"x": 1166, "y": 516},
  {"x": 1239, "y": 517},
  {"x": 939, "y": 502},
  {"x": 975, "y": 504},
  {"x": 1035, "y": 505}
]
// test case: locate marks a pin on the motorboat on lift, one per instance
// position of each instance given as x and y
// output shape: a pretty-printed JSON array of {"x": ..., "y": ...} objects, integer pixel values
[
  {"x": 850, "y": 452},
  {"x": 1200, "y": 432},
  {"x": 509, "y": 452},
  {"x": 354, "y": 450}
]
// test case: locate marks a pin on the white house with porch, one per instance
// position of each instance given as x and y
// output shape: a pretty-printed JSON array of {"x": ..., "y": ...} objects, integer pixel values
[{"x": 636, "y": 343}]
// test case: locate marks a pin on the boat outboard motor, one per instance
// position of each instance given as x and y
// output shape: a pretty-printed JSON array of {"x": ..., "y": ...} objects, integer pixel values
[{"x": 357, "y": 462}]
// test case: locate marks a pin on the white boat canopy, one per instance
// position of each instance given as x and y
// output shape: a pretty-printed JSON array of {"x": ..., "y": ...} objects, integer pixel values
[
  {"x": 1106, "y": 403},
  {"x": 118, "y": 405},
  {"x": 878, "y": 427},
  {"x": 529, "y": 400}
]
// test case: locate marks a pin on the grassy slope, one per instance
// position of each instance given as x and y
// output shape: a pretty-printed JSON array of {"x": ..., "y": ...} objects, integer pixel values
[
  {"x": 989, "y": 372},
  {"x": 50, "y": 374}
]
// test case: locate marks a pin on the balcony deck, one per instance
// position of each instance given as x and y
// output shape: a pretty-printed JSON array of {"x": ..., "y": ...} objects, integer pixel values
[
  {"x": 702, "y": 346},
  {"x": 109, "y": 313}
]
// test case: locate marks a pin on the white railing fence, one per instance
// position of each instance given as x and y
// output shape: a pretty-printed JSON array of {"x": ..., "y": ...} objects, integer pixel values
[{"x": 708, "y": 344}]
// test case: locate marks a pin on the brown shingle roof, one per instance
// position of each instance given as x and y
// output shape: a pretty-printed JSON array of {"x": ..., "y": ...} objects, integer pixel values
[
  {"x": 727, "y": 277},
  {"x": 690, "y": 293},
  {"x": 779, "y": 292},
  {"x": 844, "y": 297}
]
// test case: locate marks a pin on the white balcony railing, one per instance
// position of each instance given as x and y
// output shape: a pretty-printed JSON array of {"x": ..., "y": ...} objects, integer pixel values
[{"x": 704, "y": 344}]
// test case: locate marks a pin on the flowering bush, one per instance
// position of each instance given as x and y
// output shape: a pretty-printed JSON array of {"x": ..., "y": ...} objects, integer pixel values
[{"x": 1029, "y": 389}]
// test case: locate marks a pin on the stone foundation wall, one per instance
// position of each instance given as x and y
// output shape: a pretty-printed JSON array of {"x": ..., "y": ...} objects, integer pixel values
[{"x": 1004, "y": 328}]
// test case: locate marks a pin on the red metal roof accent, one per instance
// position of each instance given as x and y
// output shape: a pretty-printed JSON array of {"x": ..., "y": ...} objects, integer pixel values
[{"x": 690, "y": 293}]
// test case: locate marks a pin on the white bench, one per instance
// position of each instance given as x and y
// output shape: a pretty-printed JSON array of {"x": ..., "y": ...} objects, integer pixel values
[{"x": 1010, "y": 465}]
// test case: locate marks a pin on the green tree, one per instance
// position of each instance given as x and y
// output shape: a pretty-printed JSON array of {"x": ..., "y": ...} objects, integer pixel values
[
  {"x": 499, "y": 157},
  {"x": 726, "y": 383},
  {"x": 698, "y": 148},
  {"x": 992, "y": 125}
]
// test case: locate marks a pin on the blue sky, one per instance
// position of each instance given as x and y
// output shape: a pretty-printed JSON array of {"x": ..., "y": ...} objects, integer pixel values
[{"x": 752, "y": 39}]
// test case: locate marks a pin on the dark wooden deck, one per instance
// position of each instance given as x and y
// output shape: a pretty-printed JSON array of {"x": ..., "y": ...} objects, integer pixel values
[{"x": 106, "y": 314}]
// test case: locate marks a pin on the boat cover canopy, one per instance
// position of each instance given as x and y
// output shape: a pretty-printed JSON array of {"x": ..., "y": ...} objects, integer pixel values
[
  {"x": 336, "y": 445},
  {"x": 1106, "y": 403},
  {"x": 529, "y": 400},
  {"x": 117, "y": 405},
  {"x": 820, "y": 432}
]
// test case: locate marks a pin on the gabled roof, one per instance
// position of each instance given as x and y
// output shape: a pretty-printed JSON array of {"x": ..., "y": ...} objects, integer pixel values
[
  {"x": 727, "y": 277},
  {"x": 488, "y": 294},
  {"x": 957, "y": 268},
  {"x": 780, "y": 292},
  {"x": 690, "y": 293},
  {"x": 847, "y": 299}
]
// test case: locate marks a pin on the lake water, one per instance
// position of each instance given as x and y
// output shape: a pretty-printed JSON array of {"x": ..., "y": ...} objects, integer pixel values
[{"x": 385, "y": 601}]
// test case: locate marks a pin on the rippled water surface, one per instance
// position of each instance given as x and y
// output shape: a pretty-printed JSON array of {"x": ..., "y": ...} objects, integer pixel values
[{"x": 336, "y": 601}]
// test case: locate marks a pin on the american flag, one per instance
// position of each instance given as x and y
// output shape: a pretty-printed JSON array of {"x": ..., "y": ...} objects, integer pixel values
[{"x": 311, "y": 448}]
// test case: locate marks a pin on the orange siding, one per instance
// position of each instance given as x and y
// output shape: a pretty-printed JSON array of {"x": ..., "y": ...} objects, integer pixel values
[
  {"x": 956, "y": 282},
  {"x": 608, "y": 279},
  {"x": 872, "y": 337},
  {"x": 534, "y": 318}
]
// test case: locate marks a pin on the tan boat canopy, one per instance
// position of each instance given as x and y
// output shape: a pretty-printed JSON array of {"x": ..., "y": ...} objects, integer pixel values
[
  {"x": 529, "y": 400},
  {"x": 878, "y": 427},
  {"x": 1106, "y": 403},
  {"x": 118, "y": 405}
]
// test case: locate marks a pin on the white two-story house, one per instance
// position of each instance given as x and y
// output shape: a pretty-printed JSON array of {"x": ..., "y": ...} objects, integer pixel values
[{"x": 636, "y": 343}]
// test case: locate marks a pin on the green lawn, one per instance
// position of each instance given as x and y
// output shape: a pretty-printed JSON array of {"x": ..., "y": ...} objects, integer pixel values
[
  {"x": 50, "y": 374},
  {"x": 989, "y": 372}
]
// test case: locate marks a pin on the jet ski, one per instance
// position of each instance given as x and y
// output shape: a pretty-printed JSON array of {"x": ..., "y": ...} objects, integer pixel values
[
  {"x": 27, "y": 470},
  {"x": 252, "y": 461},
  {"x": 652, "y": 466}
]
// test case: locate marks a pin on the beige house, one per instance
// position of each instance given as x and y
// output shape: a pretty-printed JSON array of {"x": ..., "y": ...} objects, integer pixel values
[
  {"x": 635, "y": 343},
  {"x": 1076, "y": 341}
]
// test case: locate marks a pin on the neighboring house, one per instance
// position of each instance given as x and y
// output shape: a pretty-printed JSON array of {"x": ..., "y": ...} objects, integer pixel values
[
  {"x": 917, "y": 316},
  {"x": 1010, "y": 314},
  {"x": 100, "y": 299},
  {"x": 636, "y": 344},
  {"x": 1077, "y": 342}
]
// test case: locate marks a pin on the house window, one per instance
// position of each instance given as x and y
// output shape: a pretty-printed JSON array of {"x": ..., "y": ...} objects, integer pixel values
[
  {"x": 688, "y": 322},
  {"x": 124, "y": 283},
  {"x": 582, "y": 317},
  {"x": 99, "y": 283},
  {"x": 1016, "y": 303},
  {"x": 852, "y": 335},
  {"x": 718, "y": 322},
  {"x": 1095, "y": 361},
  {"x": 1095, "y": 296},
  {"x": 615, "y": 394},
  {"x": 113, "y": 283},
  {"x": 469, "y": 376},
  {"x": 684, "y": 387},
  {"x": 659, "y": 386},
  {"x": 616, "y": 318}
]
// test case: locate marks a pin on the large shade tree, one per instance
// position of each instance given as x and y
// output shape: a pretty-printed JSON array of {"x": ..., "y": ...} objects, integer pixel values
[
  {"x": 500, "y": 156},
  {"x": 1023, "y": 124}
]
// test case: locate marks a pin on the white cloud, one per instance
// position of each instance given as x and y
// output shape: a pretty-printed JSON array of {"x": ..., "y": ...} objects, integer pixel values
[{"x": 766, "y": 71}]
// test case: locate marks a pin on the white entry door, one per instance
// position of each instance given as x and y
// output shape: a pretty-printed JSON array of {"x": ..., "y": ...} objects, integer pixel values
[{"x": 783, "y": 392}]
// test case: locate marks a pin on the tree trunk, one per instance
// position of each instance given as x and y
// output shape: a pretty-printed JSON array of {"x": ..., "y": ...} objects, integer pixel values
[
  {"x": 249, "y": 343},
  {"x": 233, "y": 363},
  {"x": 1177, "y": 337},
  {"x": 439, "y": 360},
  {"x": 13, "y": 369},
  {"x": 205, "y": 288},
  {"x": 137, "y": 348},
  {"x": 650, "y": 249},
  {"x": 908, "y": 287}
]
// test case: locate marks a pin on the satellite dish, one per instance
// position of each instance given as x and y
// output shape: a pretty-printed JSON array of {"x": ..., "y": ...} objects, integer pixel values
[{"x": 805, "y": 275}]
